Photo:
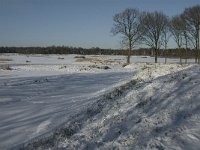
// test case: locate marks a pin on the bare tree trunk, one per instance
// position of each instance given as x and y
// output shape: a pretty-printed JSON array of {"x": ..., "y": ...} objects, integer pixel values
[
  {"x": 156, "y": 55},
  {"x": 198, "y": 57},
  {"x": 196, "y": 53},
  {"x": 128, "y": 57},
  {"x": 196, "y": 50},
  {"x": 129, "y": 52},
  {"x": 165, "y": 54},
  {"x": 165, "y": 51},
  {"x": 180, "y": 54},
  {"x": 152, "y": 52},
  {"x": 186, "y": 55},
  {"x": 186, "y": 46}
]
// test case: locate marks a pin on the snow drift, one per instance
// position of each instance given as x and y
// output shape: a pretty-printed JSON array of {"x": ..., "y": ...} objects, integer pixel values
[{"x": 158, "y": 112}]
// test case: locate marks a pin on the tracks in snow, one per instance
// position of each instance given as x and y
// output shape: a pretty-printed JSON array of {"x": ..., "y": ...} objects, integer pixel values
[{"x": 76, "y": 122}]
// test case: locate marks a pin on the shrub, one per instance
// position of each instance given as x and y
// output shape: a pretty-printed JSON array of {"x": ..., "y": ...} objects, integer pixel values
[{"x": 6, "y": 67}]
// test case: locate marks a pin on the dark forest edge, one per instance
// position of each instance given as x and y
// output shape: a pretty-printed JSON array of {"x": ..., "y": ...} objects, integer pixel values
[{"x": 189, "y": 53}]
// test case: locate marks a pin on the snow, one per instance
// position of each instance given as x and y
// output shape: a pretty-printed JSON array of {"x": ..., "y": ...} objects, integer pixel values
[
  {"x": 53, "y": 103},
  {"x": 162, "y": 113},
  {"x": 32, "y": 105},
  {"x": 48, "y": 65}
]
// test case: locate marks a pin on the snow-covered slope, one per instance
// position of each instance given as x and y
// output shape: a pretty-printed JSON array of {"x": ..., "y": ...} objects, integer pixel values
[
  {"x": 158, "y": 109},
  {"x": 63, "y": 102},
  {"x": 162, "y": 113},
  {"x": 32, "y": 106}
]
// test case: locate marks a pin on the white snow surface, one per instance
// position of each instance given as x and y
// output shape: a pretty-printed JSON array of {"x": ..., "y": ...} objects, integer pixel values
[
  {"x": 155, "y": 114},
  {"x": 32, "y": 106},
  {"x": 140, "y": 106},
  {"x": 48, "y": 65}
]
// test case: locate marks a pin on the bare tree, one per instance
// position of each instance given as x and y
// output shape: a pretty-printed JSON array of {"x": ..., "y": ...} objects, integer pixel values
[
  {"x": 187, "y": 39},
  {"x": 192, "y": 18},
  {"x": 166, "y": 37},
  {"x": 177, "y": 29},
  {"x": 127, "y": 24},
  {"x": 153, "y": 25}
]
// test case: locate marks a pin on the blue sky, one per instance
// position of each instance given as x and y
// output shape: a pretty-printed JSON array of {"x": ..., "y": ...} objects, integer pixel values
[{"x": 80, "y": 23}]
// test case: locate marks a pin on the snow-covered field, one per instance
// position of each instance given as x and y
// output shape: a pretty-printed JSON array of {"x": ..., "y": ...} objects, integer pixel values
[{"x": 63, "y": 102}]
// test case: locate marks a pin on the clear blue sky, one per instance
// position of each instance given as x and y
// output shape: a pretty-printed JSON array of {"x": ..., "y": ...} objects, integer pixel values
[{"x": 84, "y": 23}]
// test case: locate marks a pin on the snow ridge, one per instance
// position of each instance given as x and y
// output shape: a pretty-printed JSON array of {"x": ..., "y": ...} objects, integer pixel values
[
  {"x": 159, "y": 114},
  {"x": 76, "y": 123},
  {"x": 156, "y": 114}
]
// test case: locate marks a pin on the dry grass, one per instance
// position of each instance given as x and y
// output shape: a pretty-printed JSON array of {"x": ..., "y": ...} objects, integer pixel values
[
  {"x": 79, "y": 57},
  {"x": 94, "y": 60},
  {"x": 5, "y": 59},
  {"x": 97, "y": 61},
  {"x": 61, "y": 58},
  {"x": 125, "y": 64},
  {"x": 5, "y": 67}
]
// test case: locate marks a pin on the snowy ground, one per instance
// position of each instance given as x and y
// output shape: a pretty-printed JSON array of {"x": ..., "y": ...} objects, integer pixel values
[
  {"x": 47, "y": 65},
  {"x": 30, "y": 106},
  {"x": 161, "y": 113},
  {"x": 58, "y": 102}
]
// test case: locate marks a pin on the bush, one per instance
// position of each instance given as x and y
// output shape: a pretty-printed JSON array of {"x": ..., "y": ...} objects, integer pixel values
[
  {"x": 61, "y": 58},
  {"x": 6, "y": 67},
  {"x": 83, "y": 57},
  {"x": 125, "y": 64}
]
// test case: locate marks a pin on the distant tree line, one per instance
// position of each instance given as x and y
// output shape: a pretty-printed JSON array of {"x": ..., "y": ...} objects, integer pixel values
[
  {"x": 60, "y": 50},
  {"x": 154, "y": 29},
  {"x": 95, "y": 51}
]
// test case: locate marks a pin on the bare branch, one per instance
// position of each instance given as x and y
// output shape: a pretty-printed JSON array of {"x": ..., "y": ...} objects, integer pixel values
[
  {"x": 127, "y": 24},
  {"x": 153, "y": 25}
]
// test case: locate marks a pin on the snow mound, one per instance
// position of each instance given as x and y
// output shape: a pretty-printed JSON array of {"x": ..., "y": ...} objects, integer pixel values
[
  {"x": 75, "y": 123},
  {"x": 157, "y": 112},
  {"x": 148, "y": 71}
]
